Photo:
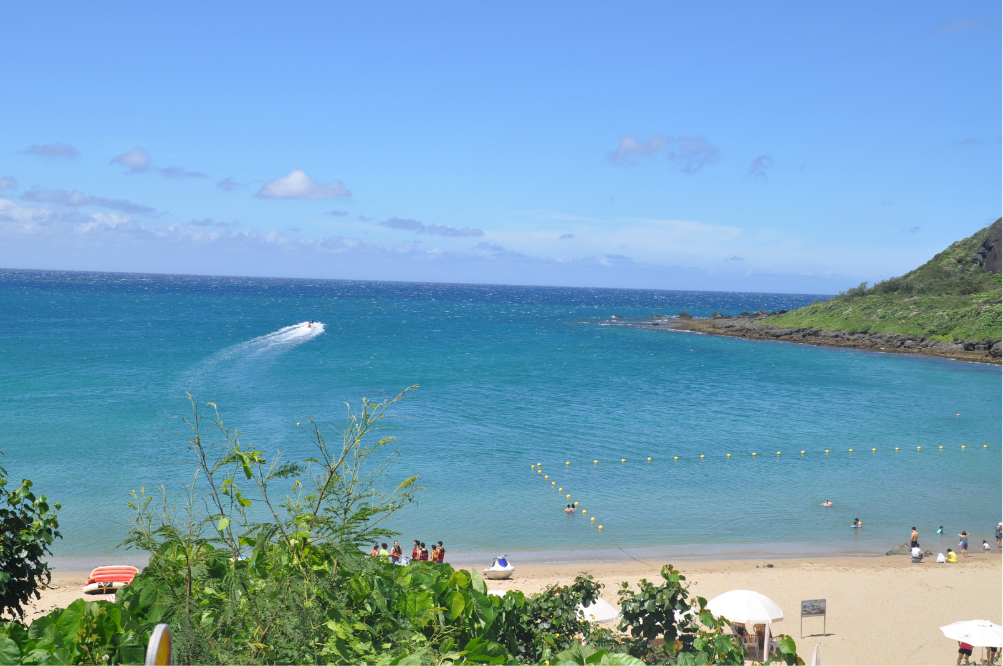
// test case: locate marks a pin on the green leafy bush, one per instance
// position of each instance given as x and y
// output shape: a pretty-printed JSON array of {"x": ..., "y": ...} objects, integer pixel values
[{"x": 28, "y": 526}]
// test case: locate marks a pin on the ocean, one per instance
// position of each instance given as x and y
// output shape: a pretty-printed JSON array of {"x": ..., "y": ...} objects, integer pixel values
[{"x": 94, "y": 370}]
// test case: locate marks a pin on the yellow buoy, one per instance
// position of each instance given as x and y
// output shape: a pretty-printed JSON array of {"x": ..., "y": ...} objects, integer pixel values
[
  {"x": 918, "y": 448},
  {"x": 802, "y": 453},
  {"x": 569, "y": 496},
  {"x": 554, "y": 483},
  {"x": 962, "y": 446},
  {"x": 701, "y": 456},
  {"x": 568, "y": 463},
  {"x": 753, "y": 454},
  {"x": 584, "y": 512},
  {"x": 778, "y": 453},
  {"x": 560, "y": 490},
  {"x": 851, "y": 450},
  {"x": 576, "y": 503},
  {"x": 942, "y": 447},
  {"x": 595, "y": 462},
  {"x": 532, "y": 466},
  {"x": 649, "y": 459},
  {"x": 729, "y": 455},
  {"x": 545, "y": 476},
  {"x": 539, "y": 471},
  {"x": 985, "y": 446},
  {"x": 873, "y": 449},
  {"x": 827, "y": 450},
  {"x": 896, "y": 448},
  {"x": 539, "y": 464},
  {"x": 600, "y": 528},
  {"x": 593, "y": 519},
  {"x": 623, "y": 460},
  {"x": 297, "y": 423},
  {"x": 676, "y": 458}
]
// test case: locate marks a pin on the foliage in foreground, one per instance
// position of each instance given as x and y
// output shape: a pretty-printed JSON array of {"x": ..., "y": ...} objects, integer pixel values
[
  {"x": 950, "y": 297},
  {"x": 28, "y": 526},
  {"x": 298, "y": 589}
]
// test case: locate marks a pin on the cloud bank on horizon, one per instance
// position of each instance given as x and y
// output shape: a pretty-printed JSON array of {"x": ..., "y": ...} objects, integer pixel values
[{"x": 471, "y": 162}]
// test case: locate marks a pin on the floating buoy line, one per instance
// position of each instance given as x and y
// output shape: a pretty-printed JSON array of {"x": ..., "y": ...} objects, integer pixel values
[{"x": 538, "y": 468}]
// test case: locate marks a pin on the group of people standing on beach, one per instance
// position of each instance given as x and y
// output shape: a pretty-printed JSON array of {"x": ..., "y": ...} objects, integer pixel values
[
  {"x": 419, "y": 553},
  {"x": 951, "y": 557}
]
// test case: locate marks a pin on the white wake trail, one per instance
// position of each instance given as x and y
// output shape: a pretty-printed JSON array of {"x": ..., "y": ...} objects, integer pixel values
[{"x": 261, "y": 347}]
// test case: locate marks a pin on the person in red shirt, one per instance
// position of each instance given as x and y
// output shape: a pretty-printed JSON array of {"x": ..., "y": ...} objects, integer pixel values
[
  {"x": 416, "y": 551},
  {"x": 423, "y": 553},
  {"x": 442, "y": 553},
  {"x": 964, "y": 650}
]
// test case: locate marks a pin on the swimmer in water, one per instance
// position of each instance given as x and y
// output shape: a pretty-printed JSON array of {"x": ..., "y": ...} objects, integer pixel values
[
  {"x": 857, "y": 523},
  {"x": 941, "y": 530},
  {"x": 826, "y": 503}
]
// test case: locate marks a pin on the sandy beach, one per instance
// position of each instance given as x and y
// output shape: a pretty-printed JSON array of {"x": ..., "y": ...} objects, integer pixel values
[{"x": 882, "y": 610}]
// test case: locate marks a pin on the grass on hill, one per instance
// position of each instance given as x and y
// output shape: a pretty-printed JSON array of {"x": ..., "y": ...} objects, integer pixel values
[{"x": 951, "y": 297}]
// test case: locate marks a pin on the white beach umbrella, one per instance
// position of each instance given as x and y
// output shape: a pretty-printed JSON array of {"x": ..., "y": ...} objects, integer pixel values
[
  {"x": 599, "y": 611},
  {"x": 815, "y": 659},
  {"x": 745, "y": 606},
  {"x": 980, "y": 633}
]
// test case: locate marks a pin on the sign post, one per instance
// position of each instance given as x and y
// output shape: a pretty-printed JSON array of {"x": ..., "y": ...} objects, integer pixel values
[{"x": 812, "y": 608}]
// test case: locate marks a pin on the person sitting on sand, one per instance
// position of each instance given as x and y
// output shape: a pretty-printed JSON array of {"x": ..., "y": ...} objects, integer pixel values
[
  {"x": 941, "y": 559},
  {"x": 985, "y": 546},
  {"x": 917, "y": 554},
  {"x": 952, "y": 557},
  {"x": 857, "y": 523}
]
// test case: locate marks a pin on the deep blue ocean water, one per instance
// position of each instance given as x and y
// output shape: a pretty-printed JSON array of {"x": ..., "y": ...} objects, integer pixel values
[{"x": 94, "y": 368}]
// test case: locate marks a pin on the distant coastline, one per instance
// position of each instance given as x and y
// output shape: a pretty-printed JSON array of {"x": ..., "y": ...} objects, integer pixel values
[{"x": 749, "y": 328}]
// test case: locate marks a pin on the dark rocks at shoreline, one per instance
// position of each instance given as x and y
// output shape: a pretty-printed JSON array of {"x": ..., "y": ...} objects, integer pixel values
[
  {"x": 684, "y": 315},
  {"x": 904, "y": 549},
  {"x": 717, "y": 315},
  {"x": 747, "y": 325}
]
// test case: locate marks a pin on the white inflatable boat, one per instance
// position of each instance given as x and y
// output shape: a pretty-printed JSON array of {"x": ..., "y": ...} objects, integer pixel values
[{"x": 500, "y": 569}]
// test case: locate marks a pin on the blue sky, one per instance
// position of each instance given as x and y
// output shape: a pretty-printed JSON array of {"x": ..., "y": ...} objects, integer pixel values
[{"x": 793, "y": 147}]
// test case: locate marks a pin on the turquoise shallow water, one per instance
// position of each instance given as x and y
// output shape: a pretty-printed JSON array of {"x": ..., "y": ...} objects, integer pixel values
[{"x": 93, "y": 368}]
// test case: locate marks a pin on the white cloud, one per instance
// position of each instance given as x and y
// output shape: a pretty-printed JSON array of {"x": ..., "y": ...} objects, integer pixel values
[
  {"x": 760, "y": 166},
  {"x": 298, "y": 185},
  {"x": 78, "y": 198},
  {"x": 52, "y": 150},
  {"x": 228, "y": 184},
  {"x": 8, "y": 183},
  {"x": 137, "y": 160},
  {"x": 179, "y": 172},
  {"x": 431, "y": 229},
  {"x": 691, "y": 153}
]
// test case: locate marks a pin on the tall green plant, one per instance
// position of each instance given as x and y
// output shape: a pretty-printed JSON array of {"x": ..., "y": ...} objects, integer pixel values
[
  {"x": 238, "y": 587},
  {"x": 28, "y": 527}
]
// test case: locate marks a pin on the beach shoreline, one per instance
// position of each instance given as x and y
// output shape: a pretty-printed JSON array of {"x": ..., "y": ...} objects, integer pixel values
[{"x": 882, "y": 610}]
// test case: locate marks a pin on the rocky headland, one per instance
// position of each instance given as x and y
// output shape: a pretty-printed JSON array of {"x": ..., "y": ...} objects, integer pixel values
[{"x": 753, "y": 326}]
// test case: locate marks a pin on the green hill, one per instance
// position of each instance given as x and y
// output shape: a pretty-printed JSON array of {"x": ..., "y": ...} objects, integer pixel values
[{"x": 954, "y": 296}]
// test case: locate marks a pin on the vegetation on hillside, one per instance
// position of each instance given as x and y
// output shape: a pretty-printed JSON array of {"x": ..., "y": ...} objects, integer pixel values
[
  {"x": 956, "y": 295},
  {"x": 284, "y": 581}
]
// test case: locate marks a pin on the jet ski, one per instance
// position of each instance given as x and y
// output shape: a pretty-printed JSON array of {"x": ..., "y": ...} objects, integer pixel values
[{"x": 500, "y": 569}]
